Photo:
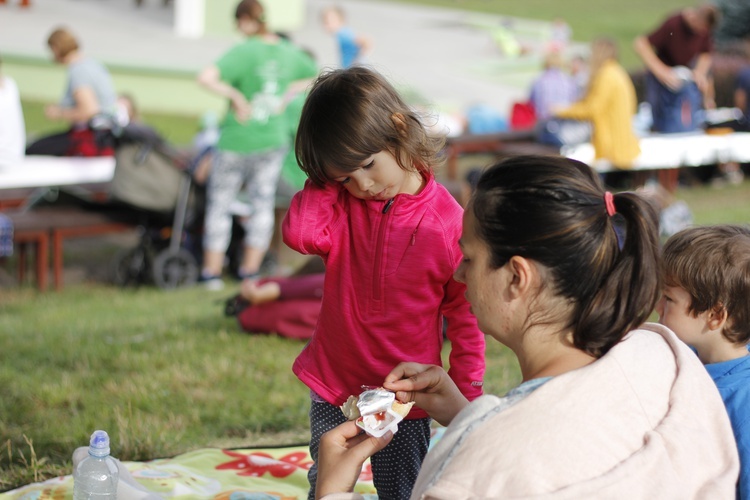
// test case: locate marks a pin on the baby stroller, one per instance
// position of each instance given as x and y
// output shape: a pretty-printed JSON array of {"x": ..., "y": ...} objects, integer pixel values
[{"x": 152, "y": 179}]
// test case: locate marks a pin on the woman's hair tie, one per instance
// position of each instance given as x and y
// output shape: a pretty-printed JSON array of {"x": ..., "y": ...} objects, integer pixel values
[{"x": 609, "y": 203}]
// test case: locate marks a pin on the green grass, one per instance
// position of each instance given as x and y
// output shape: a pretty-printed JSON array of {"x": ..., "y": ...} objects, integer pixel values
[
  {"x": 710, "y": 205},
  {"x": 165, "y": 373},
  {"x": 162, "y": 372},
  {"x": 588, "y": 19},
  {"x": 622, "y": 21},
  {"x": 177, "y": 130}
]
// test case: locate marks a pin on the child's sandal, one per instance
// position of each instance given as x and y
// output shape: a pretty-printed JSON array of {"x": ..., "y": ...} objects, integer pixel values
[{"x": 235, "y": 305}]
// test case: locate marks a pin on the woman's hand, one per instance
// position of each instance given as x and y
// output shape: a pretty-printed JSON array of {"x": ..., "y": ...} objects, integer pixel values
[
  {"x": 241, "y": 107},
  {"x": 430, "y": 387},
  {"x": 210, "y": 78},
  {"x": 343, "y": 450},
  {"x": 53, "y": 112},
  {"x": 669, "y": 79}
]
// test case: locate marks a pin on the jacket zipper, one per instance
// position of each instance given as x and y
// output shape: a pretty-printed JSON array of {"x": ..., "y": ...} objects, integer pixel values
[{"x": 377, "y": 292}]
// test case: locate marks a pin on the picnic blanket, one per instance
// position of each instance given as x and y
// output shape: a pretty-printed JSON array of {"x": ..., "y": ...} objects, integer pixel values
[{"x": 274, "y": 473}]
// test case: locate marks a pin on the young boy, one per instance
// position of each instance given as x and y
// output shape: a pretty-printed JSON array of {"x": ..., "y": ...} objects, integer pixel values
[
  {"x": 353, "y": 49},
  {"x": 706, "y": 303}
]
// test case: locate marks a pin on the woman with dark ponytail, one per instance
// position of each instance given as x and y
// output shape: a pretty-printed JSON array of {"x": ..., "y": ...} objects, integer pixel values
[
  {"x": 554, "y": 211},
  {"x": 609, "y": 406}
]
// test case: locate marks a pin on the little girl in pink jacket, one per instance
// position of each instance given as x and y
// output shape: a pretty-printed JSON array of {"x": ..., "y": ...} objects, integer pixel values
[{"x": 388, "y": 233}]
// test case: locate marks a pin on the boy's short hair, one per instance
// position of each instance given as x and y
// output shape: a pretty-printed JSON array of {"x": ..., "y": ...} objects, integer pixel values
[
  {"x": 712, "y": 264},
  {"x": 336, "y": 9},
  {"x": 710, "y": 14}
]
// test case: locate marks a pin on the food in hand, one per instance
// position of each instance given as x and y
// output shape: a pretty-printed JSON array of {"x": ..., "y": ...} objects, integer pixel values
[{"x": 376, "y": 411}]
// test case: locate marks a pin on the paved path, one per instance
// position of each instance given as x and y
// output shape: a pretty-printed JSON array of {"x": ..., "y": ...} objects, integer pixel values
[{"x": 438, "y": 54}]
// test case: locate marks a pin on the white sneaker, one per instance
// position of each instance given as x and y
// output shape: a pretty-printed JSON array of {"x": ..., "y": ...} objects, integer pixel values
[
  {"x": 735, "y": 177},
  {"x": 212, "y": 283}
]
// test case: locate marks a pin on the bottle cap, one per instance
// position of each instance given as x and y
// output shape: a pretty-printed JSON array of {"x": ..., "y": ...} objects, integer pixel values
[{"x": 99, "y": 444}]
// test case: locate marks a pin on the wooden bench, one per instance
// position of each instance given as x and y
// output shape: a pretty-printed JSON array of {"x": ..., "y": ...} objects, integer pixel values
[
  {"x": 43, "y": 226},
  {"x": 39, "y": 240},
  {"x": 500, "y": 143}
]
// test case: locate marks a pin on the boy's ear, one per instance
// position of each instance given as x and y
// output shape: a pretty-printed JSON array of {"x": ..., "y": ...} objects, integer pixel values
[
  {"x": 399, "y": 121},
  {"x": 717, "y": 317}
]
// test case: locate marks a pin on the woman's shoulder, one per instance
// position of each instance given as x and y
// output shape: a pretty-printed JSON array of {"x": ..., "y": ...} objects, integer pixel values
[
  {"x": 87, "y": 62},
  {"x": 87, "y": 66},
  {"x": 602, "y": 414},
  {"x": 249, "y": 44}
]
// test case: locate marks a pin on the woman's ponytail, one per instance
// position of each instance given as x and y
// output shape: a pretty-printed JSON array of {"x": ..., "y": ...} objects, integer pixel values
[{"x": 630, "y": 289}]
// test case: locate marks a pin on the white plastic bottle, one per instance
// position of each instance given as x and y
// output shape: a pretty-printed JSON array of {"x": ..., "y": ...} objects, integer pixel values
[{"x": 96, "y": 476}]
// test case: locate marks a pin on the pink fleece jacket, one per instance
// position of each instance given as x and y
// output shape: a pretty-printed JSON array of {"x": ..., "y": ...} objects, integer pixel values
[{"x": 388, "y": 285}]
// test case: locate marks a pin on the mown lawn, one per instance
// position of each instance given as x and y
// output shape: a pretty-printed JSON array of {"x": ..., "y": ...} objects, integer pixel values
[
  {"x": 166, "y": 372},
  {"x": 162, "y": 372},
  {"x": 588, "y": 19}
]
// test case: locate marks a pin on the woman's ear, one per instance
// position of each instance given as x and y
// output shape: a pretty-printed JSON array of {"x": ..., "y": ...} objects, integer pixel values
[
  {"x": 523, "y": 275},
  {"x": 399, "y": 121}
]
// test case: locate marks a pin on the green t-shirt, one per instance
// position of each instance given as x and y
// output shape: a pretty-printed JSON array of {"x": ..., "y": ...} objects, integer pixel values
[
  {"x": 290, "y": 171},
  {"x": 262, "y": 71}
]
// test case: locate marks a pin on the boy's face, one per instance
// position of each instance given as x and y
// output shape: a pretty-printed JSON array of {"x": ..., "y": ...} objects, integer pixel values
[
  {"x": 674, "y": 313},
  {"x": 696, "y": 20},
  {"x": 332, "y": 22}
]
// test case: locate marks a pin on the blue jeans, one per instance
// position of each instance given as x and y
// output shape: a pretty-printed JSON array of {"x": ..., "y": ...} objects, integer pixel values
[{"x": 678, "y": 111}]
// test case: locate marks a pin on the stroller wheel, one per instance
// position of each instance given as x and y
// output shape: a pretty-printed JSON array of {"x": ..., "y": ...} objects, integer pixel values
[
  {"x": 131, "y": 267},
  {"x": 173, "y": 270}
]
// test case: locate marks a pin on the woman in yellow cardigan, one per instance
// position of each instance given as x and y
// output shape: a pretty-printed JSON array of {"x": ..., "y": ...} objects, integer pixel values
[{"x": 609, "y": 104}]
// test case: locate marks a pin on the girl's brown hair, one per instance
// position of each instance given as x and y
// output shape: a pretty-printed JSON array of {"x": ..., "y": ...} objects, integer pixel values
[
  {"x": 552, "y": 210},
  {"x": 351, "y": 114}
]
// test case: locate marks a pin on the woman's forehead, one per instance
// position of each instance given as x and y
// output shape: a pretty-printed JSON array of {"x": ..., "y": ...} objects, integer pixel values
[{"x": 468, "y": 230}]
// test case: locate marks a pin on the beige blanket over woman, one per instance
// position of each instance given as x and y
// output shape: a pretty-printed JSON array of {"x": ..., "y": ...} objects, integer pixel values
[{"x": 643, "y": 422}]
